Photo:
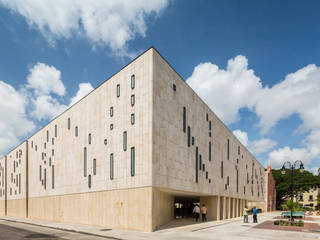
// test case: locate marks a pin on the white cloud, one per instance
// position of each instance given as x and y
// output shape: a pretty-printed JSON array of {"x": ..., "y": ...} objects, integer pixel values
[
  {"x": 44, "y": 87},
  {"x": 84, "y": 89},
  {"x": 109, "y": 23},
  {"x": 38, "y": 99},
  {"x": 44, "y": 80},
  {"x": 281, "y": 155},
  {"x": 242, "y": 137},
  {"x": 13, "y": 119},
  {"x": 256, "y": 147},
  {"x": 226, "y": 91}
]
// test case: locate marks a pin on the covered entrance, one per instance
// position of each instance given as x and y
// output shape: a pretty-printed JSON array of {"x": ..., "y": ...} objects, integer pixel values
[{"x": 183, "y": 206}]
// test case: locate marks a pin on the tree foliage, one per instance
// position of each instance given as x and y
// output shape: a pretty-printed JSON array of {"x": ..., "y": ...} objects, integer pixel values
[{"x": 302, "y": 182}]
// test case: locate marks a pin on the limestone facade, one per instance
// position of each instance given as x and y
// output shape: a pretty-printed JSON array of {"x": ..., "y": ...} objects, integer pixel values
[{"x": 120, "y": 156}]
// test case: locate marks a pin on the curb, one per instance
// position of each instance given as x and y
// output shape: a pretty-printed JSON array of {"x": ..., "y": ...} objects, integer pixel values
[{"x": 62, "y": 229}]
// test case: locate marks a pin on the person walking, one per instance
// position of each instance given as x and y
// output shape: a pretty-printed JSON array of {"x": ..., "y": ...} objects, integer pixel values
[
  {"x": 255, "y": 214},
  {"x": 204, "y": 213},
  {"x": 196, "y": 211},
  {"x": 245, "y": 215}
]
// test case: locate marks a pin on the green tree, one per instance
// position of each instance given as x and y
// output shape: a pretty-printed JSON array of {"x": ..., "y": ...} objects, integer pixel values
[{"x": 302, "y": 182}]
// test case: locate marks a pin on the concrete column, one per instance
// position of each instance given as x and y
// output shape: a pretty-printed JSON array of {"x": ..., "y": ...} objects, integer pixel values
[
  {"x": 223, "y": 204},
  {"x": 234, "y": 207},
  {"x": 228, "y": 207},
  {"x": 218, "y": 208}
]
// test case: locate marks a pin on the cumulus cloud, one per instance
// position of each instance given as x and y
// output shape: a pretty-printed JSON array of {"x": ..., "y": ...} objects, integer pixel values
[
  {"x": 256, "y": 147},
  {"x": 228, "y": 90},
  {"x": 84, "y": 89},
  {"x": 109, "y": 23},
  {"x": 40, "y": 98},
  {"x": 44, "y": 87},
  {"x": 14, "y": 122}
]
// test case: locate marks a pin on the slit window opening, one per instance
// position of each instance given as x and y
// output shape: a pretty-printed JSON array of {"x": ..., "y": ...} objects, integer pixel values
[
  {"x": 189, "y": 136},
  {"x": 132, "y": 119},
  {"x": 133, "y": 81},
  {"x": 89, "y": 181},
  {"x": 69, "y": 123},
  {"x": 132, "y": 100},
  {"x": 94, "y": 166},
  {"x": 52, "y": 170},
  {"x": 118, "y": 90},
  {"x": 76, "y": 133},
  {"x": 55, "y": 130},
  {"x": 111, "y": 111},
  {"x": 132, "y": 161},
  {"x": 111, "y": 166},
  {"x": 184, "y": 119},
  {"x": 89, "y": 138},
  {"x": 125, "y": 141},
  {"x": 85, "y": 162}
]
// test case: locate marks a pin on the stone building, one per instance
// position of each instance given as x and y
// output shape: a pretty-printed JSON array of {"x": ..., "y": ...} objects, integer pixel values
[{"x": 135, "y": 153}]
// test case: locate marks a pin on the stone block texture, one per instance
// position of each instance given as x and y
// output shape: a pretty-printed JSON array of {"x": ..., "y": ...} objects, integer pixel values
[{"x": 119, "y": 156}]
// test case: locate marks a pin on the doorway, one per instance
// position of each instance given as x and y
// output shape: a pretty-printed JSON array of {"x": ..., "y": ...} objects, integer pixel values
[{"x": 183, "y": 206}]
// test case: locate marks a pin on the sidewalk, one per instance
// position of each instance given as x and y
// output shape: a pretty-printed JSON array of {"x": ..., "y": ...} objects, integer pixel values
[{"x": 118, "y": 234}]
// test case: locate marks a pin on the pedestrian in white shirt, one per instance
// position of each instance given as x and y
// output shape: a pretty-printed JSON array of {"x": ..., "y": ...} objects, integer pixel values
[{"x": 196, "y": 211}]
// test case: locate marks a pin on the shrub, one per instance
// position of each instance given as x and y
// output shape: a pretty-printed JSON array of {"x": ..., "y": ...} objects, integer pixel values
[{"x": 277, "y": 222}]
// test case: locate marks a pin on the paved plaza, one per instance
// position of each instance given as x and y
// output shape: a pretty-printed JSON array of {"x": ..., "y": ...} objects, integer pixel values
[{"x": 12, "y": 228}]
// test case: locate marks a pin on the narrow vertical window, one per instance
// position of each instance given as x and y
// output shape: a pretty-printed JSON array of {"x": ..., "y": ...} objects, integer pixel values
[
  {"x": 209, "y": 125},
  {"x": 89, "y": 138},
  {"x": 19, "y": 183},
  {"x": 89, "y": 181},
  {"x": 132, "y": 100},
  {"x": 45, "y": 178},
  {"x": 52, "y": 170},
  {"x": 200, "y": 165},
  {"x": 238, "y": 150},
  {"x": 69, "y": 124},
  {"x": 132, "y": 161},
  {"x": 52, "y": 152},
  {"x": 111, "y": 166},
  {"x": 197, "y": 163},
  {"x": 94, "y": 166},
  {"x": 132, "y": 119},
  {"x": 133, "y": 81},
  {"x": 192, "y": 141},
  {"x": 184, "y": 119},
  {"x": 45, "y": 145},
  {"x": 111, "y": 111},
  {"x": 221, "y": 169},
  {"x": 189, "y": 136},
  {"x": 47, "y": 136},
  {"x": 125, "y": 141},
  {"x": 52, "y": 141},
  {"x": 40, "y": 172},
  {"x": 55, "y": 130},
  {"x": 237, "y": 181},
  {"x": 174, "y": 87},
  {"x": 207, "y": 117},
  {"x": 49, "y": 161},
  {"x": 111, "y": 126},
  {"x": 206, "y": 175},
  {"x": 85, "y": 162},
  {"x": 118, "y": 90},
  {"x": 31, "y": 144},
  {"x": 228, "y": 147},
  {"x": 228, "y": 180},
  {"x": 209, "y": 151},
  {"x": 76, "y": 131}
]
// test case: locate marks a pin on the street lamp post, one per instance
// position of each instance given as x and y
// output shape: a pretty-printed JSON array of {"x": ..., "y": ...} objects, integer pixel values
[{"x": 292, "y": 167}]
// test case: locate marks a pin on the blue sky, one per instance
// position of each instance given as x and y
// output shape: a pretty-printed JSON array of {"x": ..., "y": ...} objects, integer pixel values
[{"x": 260, "y": 59}]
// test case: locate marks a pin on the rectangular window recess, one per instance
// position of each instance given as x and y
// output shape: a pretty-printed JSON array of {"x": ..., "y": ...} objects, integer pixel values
[
  {"x": 85, "y": 162},
  {"x": 111, "y": 166},
  {"x": 89, "y": 181},
  {"x": 184, "y": 119},
  {"x": 132, "y": 119},
  {"x": 118, "y": 90},
  {"x": 111, "y": 111},
  {"x": 174, "y": 87},
  {"x": 124, "y": 141},
  {"x": 189, "y": 136},
  {"x": 69, "y": 123},
  {"x": 133, "y": 79},
  {"x": 132, "y": 161},
  {"x": 94, "y": 166}
]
